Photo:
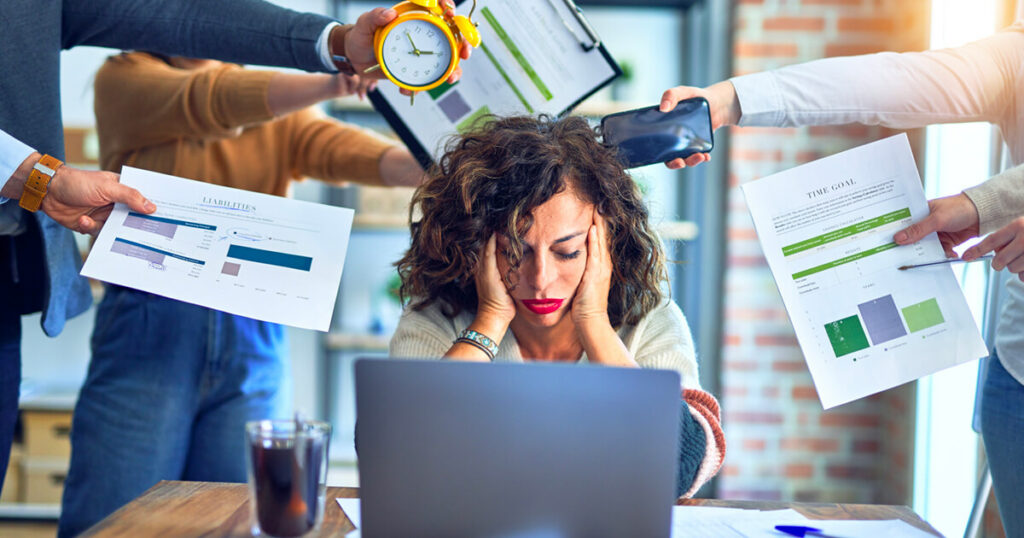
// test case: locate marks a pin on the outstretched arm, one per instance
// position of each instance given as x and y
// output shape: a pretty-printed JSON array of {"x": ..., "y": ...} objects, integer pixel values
[
  {"x": 238, "y": 31},
  {"x": 289, "y": 92},
  {"x": 974, "y": 82},
  {"x": 77, "y": 199}
]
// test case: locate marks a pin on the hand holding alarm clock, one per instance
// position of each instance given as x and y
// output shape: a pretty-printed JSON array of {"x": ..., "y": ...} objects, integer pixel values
[
  {"x": 417, "y": 44},
  {"x": 419, "y": 49}
]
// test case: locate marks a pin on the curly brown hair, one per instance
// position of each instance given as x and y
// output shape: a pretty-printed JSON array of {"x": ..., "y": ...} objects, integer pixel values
[{"x": 491, "y": 179}]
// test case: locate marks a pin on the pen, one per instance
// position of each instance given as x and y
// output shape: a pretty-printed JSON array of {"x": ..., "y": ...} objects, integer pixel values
[
  {"x": 950, "y": 260},
  {"x": 799, "y": 530}
]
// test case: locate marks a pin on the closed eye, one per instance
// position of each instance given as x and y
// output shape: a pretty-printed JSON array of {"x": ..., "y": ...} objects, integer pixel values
[{"x": 569, "y": 256}]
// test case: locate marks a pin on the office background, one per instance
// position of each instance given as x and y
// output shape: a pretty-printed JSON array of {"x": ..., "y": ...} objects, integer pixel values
[{"x": 889, "y": 448}]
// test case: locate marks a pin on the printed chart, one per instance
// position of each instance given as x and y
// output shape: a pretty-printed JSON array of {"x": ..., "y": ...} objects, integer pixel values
[
  {"x": 827, "y": 232},
  {"x": 530, "y": 61},
  {"x": 251, "y": 254}
]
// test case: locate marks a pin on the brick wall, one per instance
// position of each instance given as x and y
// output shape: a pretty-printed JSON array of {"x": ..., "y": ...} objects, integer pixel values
[{"x": 781, "y": 444}]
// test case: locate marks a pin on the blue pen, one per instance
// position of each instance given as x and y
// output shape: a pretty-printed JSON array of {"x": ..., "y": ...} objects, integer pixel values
[{"x": 799, "y": 530}]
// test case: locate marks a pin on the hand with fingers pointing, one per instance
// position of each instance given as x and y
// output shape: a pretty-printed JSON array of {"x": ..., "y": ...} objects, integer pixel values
[
  {"x": 954, "y": 218},
  {"x": 1008, "y": 244}
]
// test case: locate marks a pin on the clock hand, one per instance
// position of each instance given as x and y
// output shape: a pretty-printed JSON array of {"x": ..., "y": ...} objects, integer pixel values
[
  {"x": 426, "y": 52},
  {"x": 415, "y": 50}
]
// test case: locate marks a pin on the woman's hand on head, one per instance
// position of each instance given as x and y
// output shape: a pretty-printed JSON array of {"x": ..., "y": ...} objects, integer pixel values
[
  {"x": 494, "y": 304},
  {"x": 590, "y": 305}
]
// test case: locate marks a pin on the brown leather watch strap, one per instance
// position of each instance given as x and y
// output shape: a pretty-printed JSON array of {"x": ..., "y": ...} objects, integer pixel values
[{"x": 38, "y": 180}]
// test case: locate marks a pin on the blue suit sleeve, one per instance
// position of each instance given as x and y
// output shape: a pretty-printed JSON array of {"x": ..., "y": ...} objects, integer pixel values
[
  {"x": 692, "y": 447},
  {"x": 239, "y": 31}
]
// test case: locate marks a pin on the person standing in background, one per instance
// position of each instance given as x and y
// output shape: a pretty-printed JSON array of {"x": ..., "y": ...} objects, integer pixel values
[
  {"x": 980, "y": 81},
  {"x": 186, "y": 375},
  {"x": 40, "y": 260}
]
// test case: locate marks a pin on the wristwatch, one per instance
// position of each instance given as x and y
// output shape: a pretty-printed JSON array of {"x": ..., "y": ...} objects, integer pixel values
[
  {"x": 343, "y": 64},
  {"x": 38, "y": 179}
]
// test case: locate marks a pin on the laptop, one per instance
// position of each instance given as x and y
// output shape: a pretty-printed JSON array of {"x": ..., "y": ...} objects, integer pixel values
[{"x": 512, "y": 450}]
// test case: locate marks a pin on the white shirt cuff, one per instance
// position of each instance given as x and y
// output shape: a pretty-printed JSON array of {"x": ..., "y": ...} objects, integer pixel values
[
  {"x": 759, "y": 98},
  {"x": 13, "y": 152},
  {"x": 323, "y": 46}
]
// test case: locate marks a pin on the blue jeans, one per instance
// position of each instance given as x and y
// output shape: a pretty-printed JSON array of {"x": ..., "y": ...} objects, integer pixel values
[
  {"x": 10, "y": 382},
  {"x": 1002, "y": 427},
  {"x": 169, "y": 389}
]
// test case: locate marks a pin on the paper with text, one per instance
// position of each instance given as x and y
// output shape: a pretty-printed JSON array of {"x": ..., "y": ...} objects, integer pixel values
[
  {"x": 529, "y": 62},
  {"x": 687, "y": 521},
  {"x": 251, "y": 254},
  {"x": 826, "y": 229},
  {"x": 890, "y": 528}
]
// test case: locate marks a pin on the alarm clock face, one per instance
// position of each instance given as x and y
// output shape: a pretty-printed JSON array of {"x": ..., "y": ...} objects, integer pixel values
[{"x": 416, "y": 52}]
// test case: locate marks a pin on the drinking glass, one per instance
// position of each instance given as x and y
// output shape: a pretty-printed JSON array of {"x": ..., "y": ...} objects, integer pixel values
[{"x": 287, "y": 465}]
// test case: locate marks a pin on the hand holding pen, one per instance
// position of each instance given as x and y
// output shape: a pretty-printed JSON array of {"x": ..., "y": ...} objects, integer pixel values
[
  {"x": 941, "y": 262},
  {"x": 955, "y": 219}
]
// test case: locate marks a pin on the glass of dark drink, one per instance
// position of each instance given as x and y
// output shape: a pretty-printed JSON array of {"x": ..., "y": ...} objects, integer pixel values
[{"x": 287, "y": 475}]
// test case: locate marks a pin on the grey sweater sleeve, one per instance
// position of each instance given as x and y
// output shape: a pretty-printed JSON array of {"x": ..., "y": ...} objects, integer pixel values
[
  {"x": 999, "y": 200},
  {"x": 238, "y": 31}
]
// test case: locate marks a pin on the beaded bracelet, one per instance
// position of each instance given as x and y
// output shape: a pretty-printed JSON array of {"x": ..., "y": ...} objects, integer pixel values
[
  {"x": 475, "y": 344},
  {"x": 479, "y": 340}
]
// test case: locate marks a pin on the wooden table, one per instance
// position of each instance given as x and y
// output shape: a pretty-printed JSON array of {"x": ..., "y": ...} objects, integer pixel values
[{"x": 216, "y": 509}]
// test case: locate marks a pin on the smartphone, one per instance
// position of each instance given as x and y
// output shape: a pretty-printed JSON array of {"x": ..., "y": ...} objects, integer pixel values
[{"x": 647, "y": 136}]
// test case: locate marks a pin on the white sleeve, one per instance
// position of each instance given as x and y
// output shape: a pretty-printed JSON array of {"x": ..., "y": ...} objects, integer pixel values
[
  {"x": 323, "y": 48},
  {"x": 13, "y": 152},
  {"x": 975, "y": 82},
  {"x": 662, "y": 340}
]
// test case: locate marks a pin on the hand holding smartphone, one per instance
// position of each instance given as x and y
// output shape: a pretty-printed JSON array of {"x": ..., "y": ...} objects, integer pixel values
[{"x": 647, "y": 136}]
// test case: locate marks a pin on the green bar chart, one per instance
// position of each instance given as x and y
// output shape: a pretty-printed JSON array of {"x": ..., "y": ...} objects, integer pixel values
[
  {"x": 923, "y": 315},
  {"x": 878, "y": 316},
  {"x": 847, "y": 336}
]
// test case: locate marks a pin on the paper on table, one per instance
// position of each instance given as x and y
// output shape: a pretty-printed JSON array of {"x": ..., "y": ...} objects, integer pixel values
[
  {"x": 696, "y": 521},
  {"x": 826, "y": 229},
  {"x": 703, "y": 521},
  {"x": 890, "y": 528},
  {"x": 351, "y": 509},
  {"x": 251, "y": 254}
]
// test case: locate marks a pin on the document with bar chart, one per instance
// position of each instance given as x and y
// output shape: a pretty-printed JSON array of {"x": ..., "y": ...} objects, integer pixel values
[
  {"x": 251, "y": 254},
  {"x": 827, "y": 229}
]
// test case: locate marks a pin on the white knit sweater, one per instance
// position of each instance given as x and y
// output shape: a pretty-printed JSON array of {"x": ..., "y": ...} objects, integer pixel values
[{"x": 661, "y": 340}]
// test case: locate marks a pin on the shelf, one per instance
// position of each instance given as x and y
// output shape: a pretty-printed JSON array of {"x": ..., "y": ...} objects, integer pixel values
[
  {"x": 368, "y": 342},
  {"x": 29, "y": 511},
  {"x": 595, "y": 108},
  {"x": 43, "y": 400},
  {"x": 677, "y": 230},
  {"x": 380, "y": 222},
  {"x": 673, "y": 230},
  {"x": 592, "y": 107}
]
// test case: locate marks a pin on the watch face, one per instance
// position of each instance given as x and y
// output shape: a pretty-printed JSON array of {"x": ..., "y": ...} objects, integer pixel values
[{"x": 416, "y": 52}]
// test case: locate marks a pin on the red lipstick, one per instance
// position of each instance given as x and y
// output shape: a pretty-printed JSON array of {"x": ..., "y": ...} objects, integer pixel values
[{"x": 542, "y": 306}]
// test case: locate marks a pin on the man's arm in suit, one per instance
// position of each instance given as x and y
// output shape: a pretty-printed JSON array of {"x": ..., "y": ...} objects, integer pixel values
[{"x": 239, "y": 31}]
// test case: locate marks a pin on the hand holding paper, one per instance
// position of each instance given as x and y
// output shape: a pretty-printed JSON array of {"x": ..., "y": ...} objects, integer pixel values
[
  {"x": 250, "y": 254},
  {"x": 827, "y": 232}
]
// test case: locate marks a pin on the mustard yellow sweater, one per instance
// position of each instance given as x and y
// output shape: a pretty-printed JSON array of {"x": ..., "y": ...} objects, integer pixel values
[{"x": 214, "y": 124}]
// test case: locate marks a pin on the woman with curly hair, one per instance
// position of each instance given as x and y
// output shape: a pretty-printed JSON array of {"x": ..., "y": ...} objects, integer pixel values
[{"x": 533, "y": 243}]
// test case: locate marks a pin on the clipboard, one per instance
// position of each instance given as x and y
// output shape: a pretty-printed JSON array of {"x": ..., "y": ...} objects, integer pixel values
[{"x": 536, "y": 57}]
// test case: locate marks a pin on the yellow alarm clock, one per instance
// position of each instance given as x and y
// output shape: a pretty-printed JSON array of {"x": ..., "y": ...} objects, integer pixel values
[{"x": 419, "y": 50}]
